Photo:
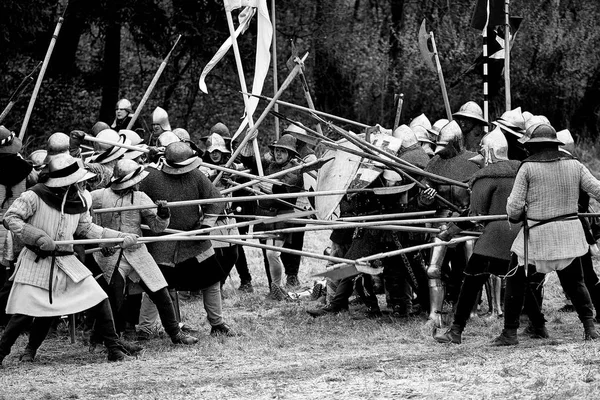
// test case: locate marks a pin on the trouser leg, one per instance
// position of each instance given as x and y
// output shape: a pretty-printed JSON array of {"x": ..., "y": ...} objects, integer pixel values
[
  {"x": 266, "y": 262},
  {"x": 105, "y": 325},
  {"x": 467, "y": 297},
  {"x": 227, "y": 257},
  {"x": 148, "y": 315},
  {"x": 274, "y": 260},
  {"x": 211, "y": 297},
  {"x": 17, "y": 324},
  {"x": 4, "y": 292},
  {"x": 514, "y": 297},
  {"x": 241, "y": 266},
  {"x": 343, "y": 292},
  {"x": 38, "y": 332},
  {"x": 592, "y": 283},
  {"x": 291, "y": 262},
  {"x": 166, "y": 310},
  {"x": 571, "y": 279}
]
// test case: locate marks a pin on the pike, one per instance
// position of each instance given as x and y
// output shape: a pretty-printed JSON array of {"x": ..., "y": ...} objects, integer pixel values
[
  {"x": 225, "y": 200},
  {"x": 157, "y": 75},
  {"x": 354, "y": 219},
  {"x": 40, "y": 77},
  {"x": 259, "y": 193},
  {"x": 300, "y": 168},
  {"x": 14, "y": 97},
  {"x": 432, "y": 60},
  {"x": 262, "y": 117},
  {"x": 284, "y": 250},
  {"x": 155, "y": 239},
  {"x": 339, "y": 271},
  {"x": 306, "y": 109}
]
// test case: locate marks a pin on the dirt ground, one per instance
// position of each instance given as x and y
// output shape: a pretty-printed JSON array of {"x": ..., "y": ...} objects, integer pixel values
[{"x": 284, "y": 353}]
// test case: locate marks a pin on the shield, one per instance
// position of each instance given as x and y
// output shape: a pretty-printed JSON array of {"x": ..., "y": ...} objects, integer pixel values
[
  {"x": 336, "y": 175},
  {"x": 428, "y": 55}
]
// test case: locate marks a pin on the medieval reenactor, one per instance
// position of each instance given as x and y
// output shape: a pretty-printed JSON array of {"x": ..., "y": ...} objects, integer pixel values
[
  {"x": 451, "y": 161},
  {"x": 283, "y": 155},
  {"x": 470, "y": 119},
  {"x": 545, "y": 199},
  {"x": 49, "y": 280},
  {"x": 160, "y": 124},
  {"x": 189, "y": 265},
  {"x": 421, "y": 126},
  {"x": 490, "y": 187},
  {"x": 123, "y": 115},
  {"x": 132, "y": 269}
]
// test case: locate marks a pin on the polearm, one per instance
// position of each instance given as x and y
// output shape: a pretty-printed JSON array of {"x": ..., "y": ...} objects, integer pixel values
[
  {"x": 230, "y": 199},
  {"x": 157, "y": 75},
  {"x": 18, "y": 91},
  {"x": 40, "y": 77},
  {"x": 314, "y": 164},
  {"x": 354, "y": 219},
  {"x": 286, "y": 203},
  {"x": 281, "y": 249},
  {"x": 274, "y": 61},
  {"x": 302, "y": 108},
  {"x": 507, "y": 56},
  {"x": 262, "y": 117},
  {"x": 156, "y": 239},
  {"x": 393, "y": 253}
]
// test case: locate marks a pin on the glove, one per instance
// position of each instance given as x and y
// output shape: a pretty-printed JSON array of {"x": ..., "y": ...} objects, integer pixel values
[
  {"x": 428, "y": 195},
  {"x": 163, "y": 211},
  {"x": 45, "y": 243},
  {"x": 76, "y": 138},
  {"x": 107, "y": 251},
  {"x": 129, "y": 239},
  {"x": 448, "y": 234}
]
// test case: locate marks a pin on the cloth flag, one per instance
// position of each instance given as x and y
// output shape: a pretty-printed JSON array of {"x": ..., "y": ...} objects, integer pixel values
[
  {"x": 479, "y": 20},
  {"x": 263, "y": 48}
]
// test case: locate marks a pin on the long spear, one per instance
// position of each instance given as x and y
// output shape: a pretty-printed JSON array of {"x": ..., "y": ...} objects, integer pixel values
[
  {"x": 157, "y": 75},
  {"x": 18, "y": 91},
  {"x": 40, "y": 77},
  {"x": 321, "y": 113},
  {"x": 155, "y": 239},
  {"x": 338, "y": 270}
]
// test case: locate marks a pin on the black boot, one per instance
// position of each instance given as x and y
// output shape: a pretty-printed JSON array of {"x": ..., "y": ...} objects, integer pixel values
[
  {"x": 28, "y": 355},
  {"x": 105, "y": 327},
  {"x": 508, "y": 337},
  {"x": 452, "y": 335},
  {"x": 166, "y": 311}
]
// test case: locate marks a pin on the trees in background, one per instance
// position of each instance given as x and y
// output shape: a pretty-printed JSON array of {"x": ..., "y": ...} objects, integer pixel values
[{"x": 360, "y": 54}]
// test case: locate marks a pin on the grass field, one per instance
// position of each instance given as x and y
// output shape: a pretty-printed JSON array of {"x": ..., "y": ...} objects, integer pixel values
[{"x": 286, "y": 354}]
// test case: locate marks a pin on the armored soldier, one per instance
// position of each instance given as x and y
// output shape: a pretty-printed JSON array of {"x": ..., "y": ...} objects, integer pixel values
[
  {"x": 471, "y": 122},
  {"x": 451, "y": 161},
  {"x": 123, "y": 115},
  {"x": 160, "y": 124}
]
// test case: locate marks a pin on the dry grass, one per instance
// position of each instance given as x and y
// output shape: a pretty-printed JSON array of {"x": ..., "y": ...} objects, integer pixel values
[{"x": 286, "y": 354}]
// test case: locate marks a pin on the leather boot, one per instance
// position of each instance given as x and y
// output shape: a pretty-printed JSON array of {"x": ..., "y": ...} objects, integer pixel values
[
  {"x": 106, "y": 328},
  {"x": 508, "y": 337},
  {"x": 590, "y": 332},
  {"x": 452, "y": 335},
  {"x": 28, "y": 355},
  {"x": 16, "y": 325},
  {"x": 536, "y": 331}
]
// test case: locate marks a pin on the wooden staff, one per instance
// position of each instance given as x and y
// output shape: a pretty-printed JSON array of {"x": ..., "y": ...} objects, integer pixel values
[
  {"x": 232, "y": 199},
  {"x": 274, "y": 62},
  {"x": 507, "y": 55},
  {"x": 40, "y": 77},
  {"x": 441, "y": 78},
  {"x": 18, "y": 91},
  {"x": 321, "y": 113},
  {"x": 157, "y": 75},
  {"x": 301, "y": 167},
  {"x": 398, "y": 252},
  {"x": 155, "y": 239}
]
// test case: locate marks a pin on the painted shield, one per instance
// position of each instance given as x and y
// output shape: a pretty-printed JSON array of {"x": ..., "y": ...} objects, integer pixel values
[{"x": 336, "y": 175}]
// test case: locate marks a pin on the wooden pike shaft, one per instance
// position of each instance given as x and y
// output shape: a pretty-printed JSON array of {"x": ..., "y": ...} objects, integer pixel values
[
  {"x": 321, "y": 113},
  {"x": 108, "y": 142},
  {"x": 157, "y": 75},
  {"x": 272, "y": 176},
  {"x": 281, "y": 249},
  {"x": 411, "y": 249},
  {"x": 154, "y": 239},
  {"x": 226, "y": 200},
  {"x": 441, "y": 78},
  {"x": 40, "y": 78}
]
